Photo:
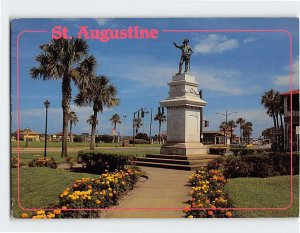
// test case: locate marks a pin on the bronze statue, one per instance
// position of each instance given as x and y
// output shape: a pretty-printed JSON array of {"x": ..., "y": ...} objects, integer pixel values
[{"x": 186, "y": 52}]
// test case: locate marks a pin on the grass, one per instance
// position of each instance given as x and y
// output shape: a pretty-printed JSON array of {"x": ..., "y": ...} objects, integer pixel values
[
  {"x": 137, "y": 151},
  {"x": 263, "y": 193},
  {"x": 40, "y": 144},
  {"x": 40, "y": 187}
]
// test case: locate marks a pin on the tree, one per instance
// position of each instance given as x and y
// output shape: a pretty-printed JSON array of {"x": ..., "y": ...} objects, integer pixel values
[
  {"x": 247, "y": 131},
  {"x": 241, "y": 121},
  {"x": 67, "y": 60},
  {"x": 231, "y": 125},
  {"x": 224, "y": 126},
  {"x": 161, "y": 118},
  {"x": 137, "y": 123},
  {"x": 268, "y": 101},
  {"x": 73, "y": 120},
  {"x": 99, "y": 93},
  {"x": 115, "y": 119}
]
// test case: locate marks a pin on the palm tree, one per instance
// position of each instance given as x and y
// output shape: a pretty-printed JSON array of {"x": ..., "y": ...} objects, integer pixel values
[
  {"x": 161, "y": 118},
  {"x": 137, "y": 123},
  {"x": 224, "y": 126},
  {"x": 99, "y": 93},
  {"x": 73, "y": 120},
  {"x": 268, "y": 101},
  {"x": 231, "y": 125},
  {"x": 67, "y": 60},
  {"x": 247, "y": 131},
  {"x": 241, "y": 121},
  {"x": 115, "y": 119}
]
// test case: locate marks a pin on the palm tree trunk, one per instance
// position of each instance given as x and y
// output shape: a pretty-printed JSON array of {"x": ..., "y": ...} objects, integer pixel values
[
  {"x": 241, "y": 134},
  {"x": 71, "y": 140},
  {"x": 159, "y": 129},
  {"x": 281, "y": 121},
  {"x": 93, "y": 132},
  {"x": 66, "y": 97}
]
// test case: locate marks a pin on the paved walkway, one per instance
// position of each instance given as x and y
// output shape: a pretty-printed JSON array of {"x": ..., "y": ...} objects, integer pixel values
[{"x": 164, "y": 188}]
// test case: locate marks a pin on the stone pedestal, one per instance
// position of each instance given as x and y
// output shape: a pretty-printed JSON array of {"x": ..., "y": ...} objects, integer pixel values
[{"x": 183, "y": 117}]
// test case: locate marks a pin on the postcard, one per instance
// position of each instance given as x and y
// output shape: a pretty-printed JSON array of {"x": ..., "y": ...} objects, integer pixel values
[{"x": 154, "y": 118}]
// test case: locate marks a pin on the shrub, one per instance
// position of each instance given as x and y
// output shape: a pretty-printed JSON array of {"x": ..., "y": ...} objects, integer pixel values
[
  {"x": 257, "y": 165},
  {"x": 87, "y": 193},
  {"x": 139, "y": 141},
  {"x": 104, "y": 138},
  {"x": 15, "y": 161},
  {"x": 217, "y": 151},
  {"x": 71, "y": 161},
  {"x": 43, "y": 162},
  {"x": 208, "y": 195},
  {"x": 77, "y": 138},
  {"x": 246, "y": 151},
  {"x": 142, "y": 136},
  {"x": 104, "y": 161}
]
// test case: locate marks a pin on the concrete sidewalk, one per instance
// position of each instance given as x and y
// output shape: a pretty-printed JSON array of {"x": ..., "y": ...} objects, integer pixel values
[{"x": 164, "y": 188}]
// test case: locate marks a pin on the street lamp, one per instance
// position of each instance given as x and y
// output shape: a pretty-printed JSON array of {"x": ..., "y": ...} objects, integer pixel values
[
  {"x": 226, "y": 115},
  {"x": 124, "y": 118},
  {"x": 47, "y": 104},
  {"x": 27, "y": 129}
]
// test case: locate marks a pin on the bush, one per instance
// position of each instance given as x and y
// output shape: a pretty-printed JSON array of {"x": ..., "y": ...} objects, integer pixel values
[
  {"x": 77, "y": 138},
  {"x": 208, "y": 196},
  {"x": 257, "y": 165},
  {"x": 246, "y": 151},
  {"x": 142, "y": 136},
  {"x": 43, "y": 162},
  {"x": 217, "y": 151},
  {"x": 104, "y": 161},
  {"x": 14, "y": 162},
  {"x": 138, "y": 141},
  {"x": 104, "y": 138},
  {"x": 92, "y": 194}
]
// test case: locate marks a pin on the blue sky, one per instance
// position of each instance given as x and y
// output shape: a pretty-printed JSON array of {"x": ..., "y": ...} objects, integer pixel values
[{"x": 233, "y": 69}]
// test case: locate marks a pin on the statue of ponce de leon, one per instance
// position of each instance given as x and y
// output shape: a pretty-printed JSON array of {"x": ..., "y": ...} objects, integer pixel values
[{"x": 186, "y": 53}]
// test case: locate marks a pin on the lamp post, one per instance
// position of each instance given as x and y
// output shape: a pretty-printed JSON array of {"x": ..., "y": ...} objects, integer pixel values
[
  {"x": 124, "y": 127},
  {"x": 27, "y": 129},
  {"x": 226, "y": 116},
  {"x": 134, "y": 126},
  {"x": 47, "y": 104}
]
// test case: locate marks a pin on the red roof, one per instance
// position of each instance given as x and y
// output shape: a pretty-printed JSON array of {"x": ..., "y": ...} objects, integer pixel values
[{"x": 294, "y": 92}]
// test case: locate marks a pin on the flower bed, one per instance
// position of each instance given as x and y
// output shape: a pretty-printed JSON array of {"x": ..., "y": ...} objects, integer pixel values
[
  {"x": 15, "y": 162},
  {"x": 208, "y": 196},
  {"x": 43, "y": 162},
  {"x": 87, "y": 193}
]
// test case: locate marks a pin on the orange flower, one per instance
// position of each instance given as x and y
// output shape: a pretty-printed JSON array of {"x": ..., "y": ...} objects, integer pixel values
[
  {"x": 213, "y": 207},
  {"x": 210, "y": 213},
  {"x": 24, "y": 215},
  {"x": 186, "y": 209},
  {"x": 57, "y": 212},
  {"x": 228, "y": 214},
  {"x": 89, "y": 186},
  {"x": 64, "y": 208}
]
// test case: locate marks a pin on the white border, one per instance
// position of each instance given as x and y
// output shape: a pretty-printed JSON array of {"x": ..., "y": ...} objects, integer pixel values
[{"x": 121, "y": 8}]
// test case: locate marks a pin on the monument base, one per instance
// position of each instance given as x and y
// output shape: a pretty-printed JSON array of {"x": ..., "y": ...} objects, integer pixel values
[{"x": 187, "y": 148}]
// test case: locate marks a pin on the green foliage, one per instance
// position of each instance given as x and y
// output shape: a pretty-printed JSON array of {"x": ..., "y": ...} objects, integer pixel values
[
  {"x": 256, "y": 165},
  {"x": 14, "y": 162},
  {"x": 104, "y": 161},
  {"x": 142, "y": 136},
  {"x": 104, "y": 138},
  {"x": 77, "y": 138},
  {"x": 246, "y": 151},
  {"x": 43, "y": 162},
  {"x": 139, "y": 141},
  {"x": 217, "y": 151}
]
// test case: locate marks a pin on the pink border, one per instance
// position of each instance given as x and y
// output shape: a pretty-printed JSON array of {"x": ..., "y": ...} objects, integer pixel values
[{"x": 166, "y": 209}]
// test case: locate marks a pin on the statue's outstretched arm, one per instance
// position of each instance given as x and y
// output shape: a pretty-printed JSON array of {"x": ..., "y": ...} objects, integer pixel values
[{"x": 177, "y": 46}]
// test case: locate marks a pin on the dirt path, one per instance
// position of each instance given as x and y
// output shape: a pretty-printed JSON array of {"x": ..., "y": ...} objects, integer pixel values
[{"x": 164, "y": 188}]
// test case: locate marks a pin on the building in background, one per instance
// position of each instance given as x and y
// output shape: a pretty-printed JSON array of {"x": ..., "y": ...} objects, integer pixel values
[{"x": 290, "y": 109}]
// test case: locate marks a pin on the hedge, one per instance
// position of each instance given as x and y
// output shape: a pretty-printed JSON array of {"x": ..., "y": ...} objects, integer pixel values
[
  {"x": 104, "y": 161},
  {"x": 259, "y": 165},
  {"x": 217, "y": 151},
  {"x": 246, "y": 151}
]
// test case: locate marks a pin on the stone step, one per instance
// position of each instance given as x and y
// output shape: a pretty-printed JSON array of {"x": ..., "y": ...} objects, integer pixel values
[
  {"x": 170, "y": 166},
  {"x": 174, "y": 161},
  {"x": 181, "y": 157}
]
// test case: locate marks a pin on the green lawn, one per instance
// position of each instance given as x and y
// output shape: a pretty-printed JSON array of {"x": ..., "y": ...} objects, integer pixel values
[
  {"x": 36, "y": 144},
  {"x": 137, "y": 151},
  {"x": 264, "y": 192},
  {"x": 40, "y": 187}
]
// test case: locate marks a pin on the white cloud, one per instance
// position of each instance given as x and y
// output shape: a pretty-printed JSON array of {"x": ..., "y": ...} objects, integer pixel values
[
  {"x": 284, "y": 80},
  {"x": 214, "y": 43},
  {"x": 249, "y": 39},
  {"x": 102, "y": 22}
]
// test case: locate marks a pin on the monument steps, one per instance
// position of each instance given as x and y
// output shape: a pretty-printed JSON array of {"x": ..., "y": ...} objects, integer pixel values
[{"x": 178, "y": 162}]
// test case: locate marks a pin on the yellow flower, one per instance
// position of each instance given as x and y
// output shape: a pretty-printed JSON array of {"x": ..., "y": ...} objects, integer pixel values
[
  {"x": 190, "y": 216},
  {"x": 98, "y": 202},
  {"x": 24, "y": 215},
  {"x": 40, "y": 212}
]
